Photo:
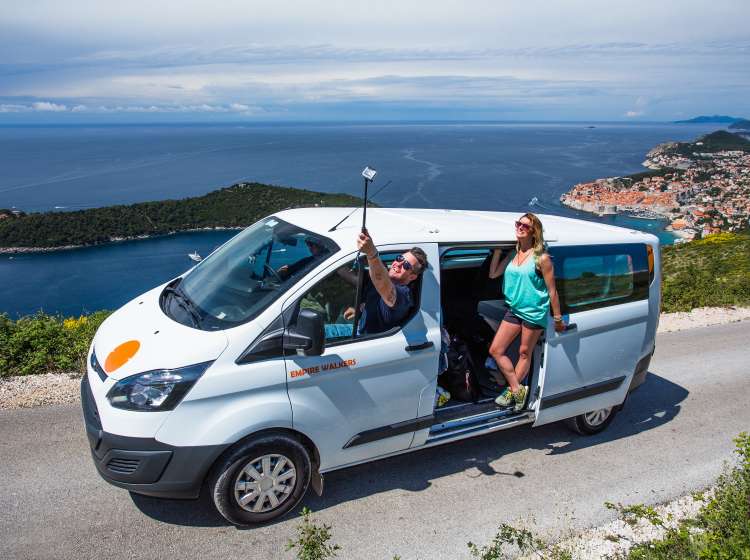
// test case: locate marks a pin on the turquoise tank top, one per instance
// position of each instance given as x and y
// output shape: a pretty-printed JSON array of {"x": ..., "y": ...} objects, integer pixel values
[{"x": 526, "y": 292}]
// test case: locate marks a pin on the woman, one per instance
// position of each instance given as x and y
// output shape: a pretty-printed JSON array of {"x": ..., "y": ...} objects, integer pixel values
[{"x": 529, "y": 290}]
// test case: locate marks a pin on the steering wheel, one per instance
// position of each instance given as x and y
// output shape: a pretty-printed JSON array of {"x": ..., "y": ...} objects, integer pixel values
[{"x": 272, "y": 272}]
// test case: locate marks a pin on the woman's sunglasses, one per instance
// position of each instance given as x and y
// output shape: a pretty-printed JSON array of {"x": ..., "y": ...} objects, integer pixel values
[
  {"x": 522, "y": 226},
  {"x": 406, "y": 265}
]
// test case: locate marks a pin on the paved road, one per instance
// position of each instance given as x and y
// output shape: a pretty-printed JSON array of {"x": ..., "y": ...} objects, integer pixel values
[{"x": 673, "y": 437}]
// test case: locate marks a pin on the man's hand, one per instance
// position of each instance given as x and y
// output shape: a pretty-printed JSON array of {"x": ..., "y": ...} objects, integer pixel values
[
  {"x": 365, "y": 244},
  {"x": 349, "y": 313},
  {"x": 283, "y": 271}
]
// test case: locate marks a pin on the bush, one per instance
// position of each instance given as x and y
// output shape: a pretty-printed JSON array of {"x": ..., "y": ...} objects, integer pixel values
[
  {"x": 710, "y": 272},
  {"x": 312, "y": 539},
  {"x": 721, "y": 530},
  {"x": 44, "y": 343}
]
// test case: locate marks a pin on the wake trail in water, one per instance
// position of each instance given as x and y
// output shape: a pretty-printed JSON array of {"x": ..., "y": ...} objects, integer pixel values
[{"x": 433, "y": 171}]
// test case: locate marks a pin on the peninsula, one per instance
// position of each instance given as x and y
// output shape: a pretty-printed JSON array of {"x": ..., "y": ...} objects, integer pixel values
[
  {"x": 237, "y": 206},
  {"x": 701, "y": 187}
]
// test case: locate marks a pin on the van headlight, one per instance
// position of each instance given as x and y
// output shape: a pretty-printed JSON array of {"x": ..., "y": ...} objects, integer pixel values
[{"x": 157, "y": 390}]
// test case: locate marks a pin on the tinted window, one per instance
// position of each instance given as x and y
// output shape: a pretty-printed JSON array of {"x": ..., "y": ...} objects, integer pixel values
[{"x": 600, "y": 275}]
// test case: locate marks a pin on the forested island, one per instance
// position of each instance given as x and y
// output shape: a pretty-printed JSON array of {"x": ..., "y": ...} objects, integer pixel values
[{"x": 233, "y": 207}]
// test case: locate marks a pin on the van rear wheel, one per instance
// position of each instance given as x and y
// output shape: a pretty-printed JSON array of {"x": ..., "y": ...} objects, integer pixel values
[
  {"x": 591, "y": 422},
  {"x": 261, "y": 479}
]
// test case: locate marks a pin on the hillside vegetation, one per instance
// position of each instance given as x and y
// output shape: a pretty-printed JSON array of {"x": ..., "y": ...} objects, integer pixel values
[
  {"x": 236, "y": 206},
  {"x": 713, "y": 272},
  {"x": 715, "y": 142}
]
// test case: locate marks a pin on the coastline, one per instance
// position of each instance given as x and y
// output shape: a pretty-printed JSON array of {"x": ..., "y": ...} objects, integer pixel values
[
  {"x": 114, "y": 240},
  {"x": 699, "y": 188}
]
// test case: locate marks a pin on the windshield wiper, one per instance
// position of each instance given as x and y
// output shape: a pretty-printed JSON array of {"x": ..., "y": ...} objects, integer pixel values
[{"x": 185, "y": 302}]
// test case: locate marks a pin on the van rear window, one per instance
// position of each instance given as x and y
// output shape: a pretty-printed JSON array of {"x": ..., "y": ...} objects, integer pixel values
[{"x": 600, "y": 275}]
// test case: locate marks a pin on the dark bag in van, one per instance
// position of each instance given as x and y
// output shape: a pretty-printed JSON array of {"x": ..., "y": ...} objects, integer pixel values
[{"x": 459, "y": 379}]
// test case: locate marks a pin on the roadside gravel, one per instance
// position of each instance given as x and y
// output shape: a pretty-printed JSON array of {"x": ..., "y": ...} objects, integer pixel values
[
  {"x": 616, "y": 538},
  {"x": 27, "y": 391},
  {"x": 62, "y": 388}
]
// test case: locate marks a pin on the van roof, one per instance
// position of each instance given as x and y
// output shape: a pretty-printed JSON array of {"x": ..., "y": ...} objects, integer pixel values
[{"x": 418, "y": 225}]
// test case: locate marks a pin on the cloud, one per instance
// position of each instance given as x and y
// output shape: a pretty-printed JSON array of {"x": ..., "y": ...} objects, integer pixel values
[
  {"x": 14, "y": 108},
  {"x": 48, "y": 106},
  {"x": 633, "y": 114}
]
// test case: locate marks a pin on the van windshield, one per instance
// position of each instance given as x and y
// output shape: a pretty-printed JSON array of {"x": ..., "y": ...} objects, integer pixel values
[{"x": 238, "y": 281}]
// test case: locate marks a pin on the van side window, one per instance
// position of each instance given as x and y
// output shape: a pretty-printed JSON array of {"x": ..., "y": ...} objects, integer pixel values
[
  {"x": 335, "y": 295},
  {"x": 600, "y": 275}
]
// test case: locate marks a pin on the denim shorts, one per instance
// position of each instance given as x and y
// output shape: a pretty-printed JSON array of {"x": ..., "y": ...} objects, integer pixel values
[{"x": 514, "y": 319}]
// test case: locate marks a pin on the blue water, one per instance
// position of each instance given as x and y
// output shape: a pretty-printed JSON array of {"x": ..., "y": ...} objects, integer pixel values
[{"x": 465, "y": 166}]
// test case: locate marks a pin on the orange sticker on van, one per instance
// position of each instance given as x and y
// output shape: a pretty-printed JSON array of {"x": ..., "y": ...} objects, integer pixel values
[{"x": 120, "y": 355}]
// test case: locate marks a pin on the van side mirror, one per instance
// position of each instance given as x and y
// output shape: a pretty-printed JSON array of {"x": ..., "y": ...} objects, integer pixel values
[{"x": 307, "y": 336}]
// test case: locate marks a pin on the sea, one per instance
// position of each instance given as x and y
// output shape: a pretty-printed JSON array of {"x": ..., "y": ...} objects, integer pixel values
[{"x": 514, "y": 167}]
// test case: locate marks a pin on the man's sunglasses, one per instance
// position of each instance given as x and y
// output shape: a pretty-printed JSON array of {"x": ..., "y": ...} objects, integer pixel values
[
  {"x": 406, "y": 265},
  {"x": 522, "y": 226}
]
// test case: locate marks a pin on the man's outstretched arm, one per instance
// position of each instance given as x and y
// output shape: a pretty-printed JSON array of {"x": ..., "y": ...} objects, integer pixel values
[{"x": 378, "y": 271}]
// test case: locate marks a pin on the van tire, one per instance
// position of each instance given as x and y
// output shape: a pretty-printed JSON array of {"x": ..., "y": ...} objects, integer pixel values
[
  {"x": 589, "y": 424},
  {"x": 224, "y": 479}
]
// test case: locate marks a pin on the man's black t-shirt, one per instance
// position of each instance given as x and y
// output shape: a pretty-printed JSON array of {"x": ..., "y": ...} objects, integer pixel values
[{"x": 377, "y": 316}]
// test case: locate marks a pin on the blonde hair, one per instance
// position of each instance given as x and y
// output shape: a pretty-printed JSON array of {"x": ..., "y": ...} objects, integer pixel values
[{"x": 537, "y": 233}]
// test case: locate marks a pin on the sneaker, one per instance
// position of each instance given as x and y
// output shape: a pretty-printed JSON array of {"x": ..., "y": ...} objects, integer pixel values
[
  {"x": 520, "y": 398},
  {"x": 441, "y": 397},
  {"x": 505, "y": 398}
]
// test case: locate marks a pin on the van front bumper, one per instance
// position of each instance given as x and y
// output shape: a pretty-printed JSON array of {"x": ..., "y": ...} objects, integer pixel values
[{"x": 145, "y": 465}]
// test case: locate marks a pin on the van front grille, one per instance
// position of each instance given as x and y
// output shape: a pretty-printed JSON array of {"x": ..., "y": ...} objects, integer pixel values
[{"x": 121, "y": 465}]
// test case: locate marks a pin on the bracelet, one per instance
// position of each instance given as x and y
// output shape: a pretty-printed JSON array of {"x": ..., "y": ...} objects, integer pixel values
[
  {"x": 557, "y": 319},
  {"x": 375, "y": 256}
]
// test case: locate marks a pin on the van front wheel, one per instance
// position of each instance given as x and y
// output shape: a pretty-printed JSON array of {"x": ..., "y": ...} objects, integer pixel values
[
  {"x": 261, "y": 479},
  {"x": 592, "y": 422}
]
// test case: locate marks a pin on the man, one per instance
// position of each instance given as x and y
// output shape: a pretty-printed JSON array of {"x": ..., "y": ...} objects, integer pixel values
[
  {"x": 316, "y": 250},
  {"x": 388, "y": 300}
]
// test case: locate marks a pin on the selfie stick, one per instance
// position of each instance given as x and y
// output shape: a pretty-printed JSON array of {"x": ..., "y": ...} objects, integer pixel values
[{"x": 369, "y": 174}]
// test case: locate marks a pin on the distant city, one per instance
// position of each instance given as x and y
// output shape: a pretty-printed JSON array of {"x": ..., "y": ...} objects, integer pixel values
[{"x": 700, "y": 192}]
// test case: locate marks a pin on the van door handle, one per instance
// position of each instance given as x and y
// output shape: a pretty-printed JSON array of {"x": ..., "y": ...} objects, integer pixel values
[
  {"x": 423, "y": 346},
  {"x": 571, "y": 327}
]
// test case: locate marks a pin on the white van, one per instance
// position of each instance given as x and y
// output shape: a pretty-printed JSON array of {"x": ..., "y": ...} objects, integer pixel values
[{"x": 243, "y": 374}]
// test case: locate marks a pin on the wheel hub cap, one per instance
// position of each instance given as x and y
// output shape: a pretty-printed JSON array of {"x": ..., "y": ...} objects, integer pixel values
[
  {"x": 598, "y": 417},
  {"x": 265, "y": 483}
]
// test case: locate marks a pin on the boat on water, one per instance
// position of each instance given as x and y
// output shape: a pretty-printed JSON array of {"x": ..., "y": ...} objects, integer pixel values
[{"x": 194, "y": 256}]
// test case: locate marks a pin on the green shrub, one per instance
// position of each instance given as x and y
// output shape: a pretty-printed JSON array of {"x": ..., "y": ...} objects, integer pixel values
[
  {"x": 312, "y": 539},
  {"x": 709, "y": 272},
  {"x": 721, "y": 531},
  {"x": 44, "y": 343}
]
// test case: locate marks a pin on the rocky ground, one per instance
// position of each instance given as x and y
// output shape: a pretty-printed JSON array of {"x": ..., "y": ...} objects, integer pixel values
[{"x": 616, "y": 538}]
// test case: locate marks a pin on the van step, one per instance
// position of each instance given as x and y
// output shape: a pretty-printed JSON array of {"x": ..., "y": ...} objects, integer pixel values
[
  {"x": 489, "y": 421},
  {"x": 457, "y": 409}
]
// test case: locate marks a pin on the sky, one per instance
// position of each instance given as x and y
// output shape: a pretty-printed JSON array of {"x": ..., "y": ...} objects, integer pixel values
[{"x": 89, "y": 61}]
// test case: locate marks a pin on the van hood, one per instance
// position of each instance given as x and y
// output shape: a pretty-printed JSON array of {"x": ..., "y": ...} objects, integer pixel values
[{"x": 140, "y": 337}]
